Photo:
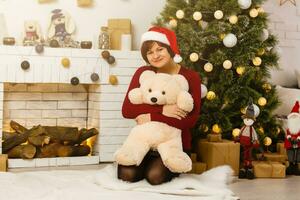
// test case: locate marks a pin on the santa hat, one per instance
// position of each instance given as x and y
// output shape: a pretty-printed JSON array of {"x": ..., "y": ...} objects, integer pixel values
[
  {"x": 165, "y": 36},
  {"x": 295, "y": 110}
]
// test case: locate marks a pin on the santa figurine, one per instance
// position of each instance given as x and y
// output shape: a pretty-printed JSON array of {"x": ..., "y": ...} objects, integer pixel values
[
  {"x": 292, "y": 141},
  {"x": 248, "y": 139}
]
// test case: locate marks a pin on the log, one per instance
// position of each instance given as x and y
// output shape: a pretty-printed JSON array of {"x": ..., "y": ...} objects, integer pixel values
[
  {"x": 17, "y": 127},
  {"x": 6, "y": 135},
  {"x": 61, "y": 134},
  {"x": 20, "y": 138},
  {"x": 85, "y": 134},
  {"x": 39, "y": 140},
  {"x": 67, "y": 151},
  {"x": 26, "y": 151},
  {"x": 48, "y": 151}
]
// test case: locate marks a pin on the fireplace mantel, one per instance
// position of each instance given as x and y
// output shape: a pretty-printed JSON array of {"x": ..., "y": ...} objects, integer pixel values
[{"x": 104, "y": 99}]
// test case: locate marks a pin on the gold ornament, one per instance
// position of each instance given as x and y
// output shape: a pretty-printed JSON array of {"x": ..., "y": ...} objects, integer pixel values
[
  {"x": 173, "y": 23},
  {"x": 180, "y": 14},
  {"x": 253, "y": 13},
  {"x": 194, "y": 57},
  {"x": 260, "y": 10},
  {"x": 262, "y": 101},
  {"x": 113, "y": 80},
  {"x": 257, "y": 61},
  {"x": 267, "y": 87},
  {"x": 210, "y": 95},
  {"x": 236, "y": 132},
  {"x": 216, "y": 128},
  {"x": 204, "y": 127},
  {"x": 218, "y": 14},
  {"x": 278, "y": 130},
  {"x": 261, "y": 129},
  {"x": 222, "y": 36},
  {"x": 208, "y": 67},
  {"x": 267, "y": 141},
  {"x": 233, "y": 19},
  {"x": 197, "y": 16},
  {"x": 240, "y": 70},
  {"x": 261, "y": 51},
  {"x": 65, "y": 62},
  {"x": 227, "y": 64}
]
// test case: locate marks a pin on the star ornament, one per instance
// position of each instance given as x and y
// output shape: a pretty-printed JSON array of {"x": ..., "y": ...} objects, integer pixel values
[{"x": 284, "y": 1}]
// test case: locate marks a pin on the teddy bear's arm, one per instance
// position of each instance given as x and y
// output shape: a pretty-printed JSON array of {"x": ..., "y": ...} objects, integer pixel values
[{"x": 185, "y": 101}]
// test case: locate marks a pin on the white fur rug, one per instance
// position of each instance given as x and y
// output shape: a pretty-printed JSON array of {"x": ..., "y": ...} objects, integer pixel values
[
  {"x": 103, "y": 184},
  {"x": 211, "y": 184}
]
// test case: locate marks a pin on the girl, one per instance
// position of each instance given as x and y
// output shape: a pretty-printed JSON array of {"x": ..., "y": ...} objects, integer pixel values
[{"x": 159, "y": 50}]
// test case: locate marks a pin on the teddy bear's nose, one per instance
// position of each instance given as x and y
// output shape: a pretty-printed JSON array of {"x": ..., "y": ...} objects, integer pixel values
[{"x": 154, "y": 99}]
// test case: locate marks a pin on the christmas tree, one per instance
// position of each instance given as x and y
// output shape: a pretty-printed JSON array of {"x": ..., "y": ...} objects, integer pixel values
[{"x": 228, "y": 43}]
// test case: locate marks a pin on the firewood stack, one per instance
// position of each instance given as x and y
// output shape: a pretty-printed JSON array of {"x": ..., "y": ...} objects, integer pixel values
[{"x": 46, "y": 141}]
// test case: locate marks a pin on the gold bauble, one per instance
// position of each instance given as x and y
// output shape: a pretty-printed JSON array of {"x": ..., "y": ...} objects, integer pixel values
[
  {"x": 260, "y": 10},
  {"x": 208, "y": 67},
  {"x": 173, "y": 23},
  {"x": 261, "y": 51},
  {"x": 278, "y": 130},
  {"x": 113, "y": 80},
  {"x": 218, "y": 14},
  {"x": 227, "y": 64},
  {"x": 257, "y": 61},
  {"x": 194, "y": 57},
  {"x": 233, "y": 19},
  {"x": 65, "y": 62},
  {"x": 236, "y": 132},
  {"x": 204, "y": 127},
  {"x": 267, "y": 87},
  {"x": 180, "y": 14},
  {"x": 262, "y": 101},
  {"x": 210, "y": 95},
  {"x": 197, "y": 16},
  {"x": 222, "y": 36},
  {"x": 240, "y": 70},
  {"x": 267, "y": 141},
  {"x": 261, "y": 129},
  {"x": 216, "y": 128},
  {"x": 253, "y": 13}
]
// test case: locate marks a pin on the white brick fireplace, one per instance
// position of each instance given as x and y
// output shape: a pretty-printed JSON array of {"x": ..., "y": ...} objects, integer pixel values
[{"x": 43, "y": 95}]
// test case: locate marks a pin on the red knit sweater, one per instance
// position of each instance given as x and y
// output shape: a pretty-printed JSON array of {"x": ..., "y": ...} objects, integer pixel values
[{"x": 131, "y": 111}]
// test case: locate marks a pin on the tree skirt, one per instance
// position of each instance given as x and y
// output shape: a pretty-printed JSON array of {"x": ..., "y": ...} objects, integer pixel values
[{"x": 103, "y": 184}]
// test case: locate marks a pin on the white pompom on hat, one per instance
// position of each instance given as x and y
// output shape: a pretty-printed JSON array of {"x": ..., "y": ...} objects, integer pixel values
[{"x": 165, "y": 36}]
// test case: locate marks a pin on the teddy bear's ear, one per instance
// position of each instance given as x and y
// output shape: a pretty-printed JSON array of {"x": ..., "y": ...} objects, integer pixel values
[
  {"x": 146, "y": 75},
  {"x": 182, "y": 82}
]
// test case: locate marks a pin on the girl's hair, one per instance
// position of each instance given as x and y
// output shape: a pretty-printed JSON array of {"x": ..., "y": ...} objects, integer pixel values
[{"x": 146, "y": 46}]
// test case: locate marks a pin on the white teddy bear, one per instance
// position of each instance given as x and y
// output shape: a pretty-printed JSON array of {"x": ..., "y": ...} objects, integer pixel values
[{"x": 158, "y": 89}]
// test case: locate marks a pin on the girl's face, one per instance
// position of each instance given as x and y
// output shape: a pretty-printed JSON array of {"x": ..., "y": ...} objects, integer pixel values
[{"x": 158, "y": 56}]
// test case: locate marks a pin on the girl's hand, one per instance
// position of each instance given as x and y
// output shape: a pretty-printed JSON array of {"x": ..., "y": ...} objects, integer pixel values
[
  {"x": 143, "y": 118},
  {"x": 174, "y": 111}
]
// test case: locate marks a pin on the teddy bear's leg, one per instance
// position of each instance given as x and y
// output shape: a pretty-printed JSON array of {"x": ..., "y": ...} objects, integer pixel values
[
  {"x": 133, "y": 150},
  {"x": 173, "y": 156}
]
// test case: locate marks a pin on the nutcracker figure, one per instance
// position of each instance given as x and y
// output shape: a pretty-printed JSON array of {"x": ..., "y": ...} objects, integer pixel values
[
  {"x": 248, "y": 139},
  {"x": 292, "y": 141}
]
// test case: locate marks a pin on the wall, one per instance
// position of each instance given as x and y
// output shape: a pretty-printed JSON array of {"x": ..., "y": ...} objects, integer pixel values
[
  {"x": 285, "y": 23},
  {"x": 88, "y": 20}
]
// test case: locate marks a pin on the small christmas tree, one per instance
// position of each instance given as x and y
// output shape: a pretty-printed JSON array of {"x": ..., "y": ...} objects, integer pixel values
[{"x": 228, "y": 43}]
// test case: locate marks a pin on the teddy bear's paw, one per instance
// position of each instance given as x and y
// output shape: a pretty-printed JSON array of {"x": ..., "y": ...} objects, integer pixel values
[
  {"x": 179, "y": 163},
  {"x": 126, "y": 158}
]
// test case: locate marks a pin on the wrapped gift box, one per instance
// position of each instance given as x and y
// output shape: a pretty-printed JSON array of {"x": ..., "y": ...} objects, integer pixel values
[
  {"x": 276, "y": 157},
  {"x": 268, "y": 169},
  {"x": 116, "y": 28},
  {"x": 3, "y": 162},
  {"x": 219, "y": 153},
  {"x": 280, "y": 149},
  {"x": 198, "y": 168},
  {"x": 214, "y": 137}
]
